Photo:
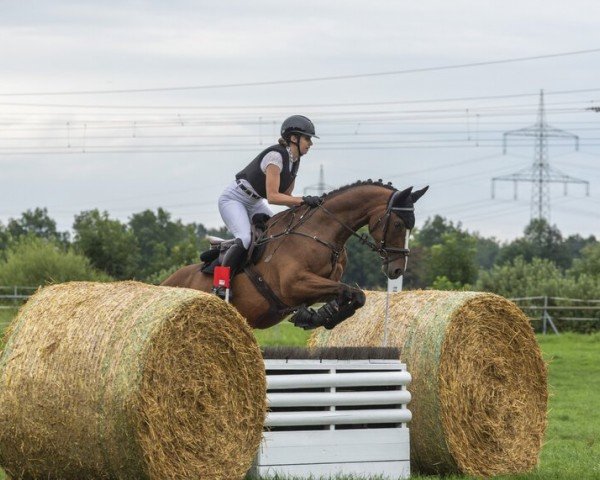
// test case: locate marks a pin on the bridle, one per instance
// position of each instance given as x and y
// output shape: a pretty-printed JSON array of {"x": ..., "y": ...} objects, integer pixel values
[
  {"x": 384, "y": 251},
  {"x": 387, "y": 254}
]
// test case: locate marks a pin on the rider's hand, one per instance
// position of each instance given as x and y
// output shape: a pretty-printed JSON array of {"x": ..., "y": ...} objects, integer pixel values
[{"x": 312, "y": 201}]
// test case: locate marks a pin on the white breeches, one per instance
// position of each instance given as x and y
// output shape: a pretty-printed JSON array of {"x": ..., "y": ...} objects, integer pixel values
[{"x": 237, "y": 208}]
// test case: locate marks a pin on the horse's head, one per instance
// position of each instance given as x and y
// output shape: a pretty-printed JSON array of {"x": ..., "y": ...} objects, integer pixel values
[{"x": 390, "y": 227}]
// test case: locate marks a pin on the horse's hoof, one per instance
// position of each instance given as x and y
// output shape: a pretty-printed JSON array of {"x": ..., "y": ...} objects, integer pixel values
[{"x": 304, "y": 318}]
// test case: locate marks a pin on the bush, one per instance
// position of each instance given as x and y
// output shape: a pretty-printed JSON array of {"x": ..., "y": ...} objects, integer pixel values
[
  {"x": 33, "y": 261},
  {"x": 541, "y": 277}
]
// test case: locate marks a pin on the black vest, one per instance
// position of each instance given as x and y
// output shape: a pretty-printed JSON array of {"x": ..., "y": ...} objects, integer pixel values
[{"x": 255, "y": 176}]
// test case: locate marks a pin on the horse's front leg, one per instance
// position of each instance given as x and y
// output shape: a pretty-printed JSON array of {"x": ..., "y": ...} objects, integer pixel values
[{"x": 345, "y": 302}]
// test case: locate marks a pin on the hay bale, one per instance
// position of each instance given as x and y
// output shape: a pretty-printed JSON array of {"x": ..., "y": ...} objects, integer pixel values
[
  {"x": 479, "y": 381},
  {"x": 129, "y": 381}
]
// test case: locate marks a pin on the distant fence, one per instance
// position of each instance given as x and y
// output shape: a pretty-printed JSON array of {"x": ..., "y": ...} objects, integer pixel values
[
  {"x": 14, "y": 296},
  {"x": 553, "y": 311},
  {"x": 548, "y": 311}
]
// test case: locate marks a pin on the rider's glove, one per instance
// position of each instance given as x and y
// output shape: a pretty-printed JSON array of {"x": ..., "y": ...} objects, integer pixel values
[{"x": 312, "y": 201}]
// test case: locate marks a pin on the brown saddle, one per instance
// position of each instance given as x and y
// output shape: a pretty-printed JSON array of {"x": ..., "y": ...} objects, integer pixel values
[{"x": 213, "y": 257}]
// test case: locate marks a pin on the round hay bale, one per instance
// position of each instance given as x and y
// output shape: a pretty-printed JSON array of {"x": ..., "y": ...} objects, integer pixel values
[
  {"x": 479, "y": 389},
  {"x": 130, "y": 381}
]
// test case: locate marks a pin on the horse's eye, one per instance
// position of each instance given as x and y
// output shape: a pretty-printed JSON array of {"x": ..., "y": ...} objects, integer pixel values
[{"x": 398, "y": 224}]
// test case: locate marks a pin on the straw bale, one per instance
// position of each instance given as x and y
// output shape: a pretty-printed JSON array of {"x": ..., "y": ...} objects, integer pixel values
[
  {"x": 129, "y": 381},
  {"x": 479, "y": 389}
]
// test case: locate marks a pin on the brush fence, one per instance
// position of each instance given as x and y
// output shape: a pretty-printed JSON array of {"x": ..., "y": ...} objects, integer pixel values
[{"x": 335, "y": 417}]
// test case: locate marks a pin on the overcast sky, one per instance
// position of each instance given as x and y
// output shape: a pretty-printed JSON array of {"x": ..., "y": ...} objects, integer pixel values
[{"x": 181, "y": 95}]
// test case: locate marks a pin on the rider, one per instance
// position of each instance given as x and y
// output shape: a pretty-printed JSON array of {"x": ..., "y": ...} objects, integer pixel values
[{"x": 268, "y": 179}]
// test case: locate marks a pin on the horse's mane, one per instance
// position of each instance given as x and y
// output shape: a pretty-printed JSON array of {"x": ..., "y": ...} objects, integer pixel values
[
  {"x": 359, "y": 183},
  {"x": 337, "y": 191}
]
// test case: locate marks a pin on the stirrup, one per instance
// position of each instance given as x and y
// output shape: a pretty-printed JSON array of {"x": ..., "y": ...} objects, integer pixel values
[{"x": 220, "y": 292}]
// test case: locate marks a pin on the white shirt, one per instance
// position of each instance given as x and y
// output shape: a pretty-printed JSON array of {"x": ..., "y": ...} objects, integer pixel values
[{"x": 275, "y": 158}]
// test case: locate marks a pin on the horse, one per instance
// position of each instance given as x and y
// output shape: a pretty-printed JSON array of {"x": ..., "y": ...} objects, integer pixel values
[{"x": 303, "y": 256}]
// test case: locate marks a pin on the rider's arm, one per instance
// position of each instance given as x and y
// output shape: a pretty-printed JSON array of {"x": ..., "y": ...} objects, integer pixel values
[
  {"x": 290, "y": 188},
  {"x": 274, "y": 197}
]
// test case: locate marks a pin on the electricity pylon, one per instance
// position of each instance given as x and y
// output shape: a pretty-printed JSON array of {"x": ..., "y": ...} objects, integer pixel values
[
  {"x": 321, "y": 187},
  {"x": 540, "y": 174}
]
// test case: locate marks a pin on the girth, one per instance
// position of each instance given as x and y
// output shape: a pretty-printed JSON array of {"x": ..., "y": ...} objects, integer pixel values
[{"x": 276, "y": 306}]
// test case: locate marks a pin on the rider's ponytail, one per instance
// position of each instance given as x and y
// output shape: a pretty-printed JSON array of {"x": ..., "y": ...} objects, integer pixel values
[{"x": 283, "y": 142}]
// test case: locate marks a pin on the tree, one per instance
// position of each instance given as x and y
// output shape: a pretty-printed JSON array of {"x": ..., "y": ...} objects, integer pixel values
[
  {"x": 539, "y": 277},
  {"x": 540, "y": 240},
  {"x": 36, "y": 222},
  {"x": 162, "y": 242},
  {"x": 108, "y": 244},
  {"x": 364, "y": 265},
  {"x": 589, "y": 263},
  {"x": 32, "y": 261},
  {"x": 521, "y": 278},
  {"x": 487, "y": 251},
  {"x": 415, "y": 275},
  {"x": 222, "y": 232},
  {"x": 453, "y": 258},
  {"x": 433, "y": 230},
  {"x": 421, "y": 273},
  {"x": 574, "y": 246},
  {"x": 4, "y": 240}
]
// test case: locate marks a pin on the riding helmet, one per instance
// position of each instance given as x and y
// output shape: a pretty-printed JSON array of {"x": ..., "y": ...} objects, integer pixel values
[{"x": 298, "y": 124}]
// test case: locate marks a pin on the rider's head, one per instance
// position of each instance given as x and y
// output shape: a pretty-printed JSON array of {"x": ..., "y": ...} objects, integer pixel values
[{"x": 298, "y": 130}]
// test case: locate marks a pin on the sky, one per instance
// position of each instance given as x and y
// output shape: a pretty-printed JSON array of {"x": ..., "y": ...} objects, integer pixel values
[{"x": 129, "y": 105}]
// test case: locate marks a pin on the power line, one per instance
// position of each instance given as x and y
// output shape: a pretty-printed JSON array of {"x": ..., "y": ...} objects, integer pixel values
[
  {"x": 254, "y": 136},
  {"x": 383, "y": 118},
  {"x": 311, "y": 79},
  {"x": 298, "y": 106}
]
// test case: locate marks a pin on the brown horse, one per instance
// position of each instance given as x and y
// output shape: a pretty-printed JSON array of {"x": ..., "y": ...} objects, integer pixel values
[{"x": 304, "y": 256}]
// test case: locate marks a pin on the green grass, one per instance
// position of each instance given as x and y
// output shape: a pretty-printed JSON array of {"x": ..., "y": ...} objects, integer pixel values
[
  {"x": 282, "y": 334},
  {"x": 572, "y": 447},
  {"x": 6, "y": 315}
]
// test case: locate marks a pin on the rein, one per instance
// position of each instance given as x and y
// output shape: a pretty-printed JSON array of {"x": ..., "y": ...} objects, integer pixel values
[
  {"x": 387, "y": 254},
  {"x": 291, "y": 230}
]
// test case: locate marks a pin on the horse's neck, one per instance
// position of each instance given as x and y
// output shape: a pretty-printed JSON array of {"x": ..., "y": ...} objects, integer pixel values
[{"x": 355, "y": 207}]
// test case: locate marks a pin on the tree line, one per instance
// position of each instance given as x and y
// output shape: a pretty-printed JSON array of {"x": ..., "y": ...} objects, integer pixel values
[
  {"x": 444, "y": 255},
  {"x": 542, "y": 261},
  {"x": 147, "y": 247}
]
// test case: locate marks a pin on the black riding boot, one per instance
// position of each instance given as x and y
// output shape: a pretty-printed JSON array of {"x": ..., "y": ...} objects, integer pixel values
[{"x": 234, "y": 258}]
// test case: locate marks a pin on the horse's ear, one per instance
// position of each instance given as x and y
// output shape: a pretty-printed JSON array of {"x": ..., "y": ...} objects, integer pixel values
[
  {"x": 403, "y": 196},
  {"x": 414, "y": 196}
]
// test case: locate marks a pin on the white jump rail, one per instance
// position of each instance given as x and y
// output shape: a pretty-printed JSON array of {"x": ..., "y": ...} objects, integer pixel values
[{"x": 335, "y": 417}]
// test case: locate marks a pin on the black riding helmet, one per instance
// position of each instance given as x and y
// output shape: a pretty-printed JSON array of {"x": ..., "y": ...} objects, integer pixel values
[{"x": 297, "y": 124}]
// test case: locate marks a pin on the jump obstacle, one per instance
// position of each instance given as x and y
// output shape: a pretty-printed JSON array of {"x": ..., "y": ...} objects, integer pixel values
[
  {"x": 331, "y": 411},
  {"x": 333, "y": 416}
]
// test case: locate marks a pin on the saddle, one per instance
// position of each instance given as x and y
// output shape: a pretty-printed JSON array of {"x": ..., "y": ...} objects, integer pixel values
[{"x": 213, "y": 257}]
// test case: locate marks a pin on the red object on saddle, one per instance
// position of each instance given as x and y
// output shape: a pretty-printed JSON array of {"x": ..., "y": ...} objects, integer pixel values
[{"x": 221, "y": 277}]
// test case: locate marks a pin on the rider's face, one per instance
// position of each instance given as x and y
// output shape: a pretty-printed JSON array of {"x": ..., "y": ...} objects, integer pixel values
[{"x": 305, "y": 144}]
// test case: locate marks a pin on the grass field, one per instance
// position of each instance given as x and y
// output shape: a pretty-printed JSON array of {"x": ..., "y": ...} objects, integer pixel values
[
  {"x": 6, "y": 316},
  {"x": 572, "y": 447}
]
